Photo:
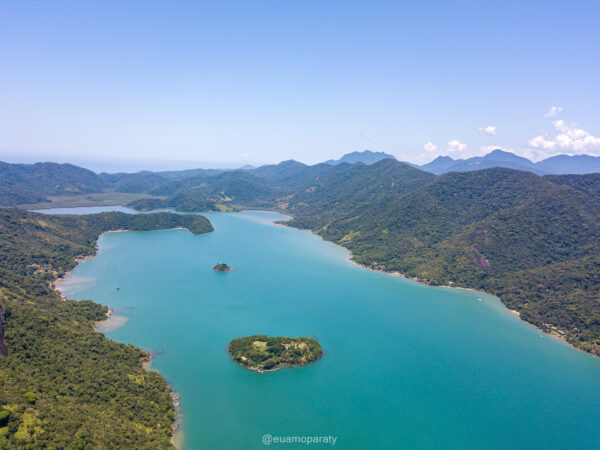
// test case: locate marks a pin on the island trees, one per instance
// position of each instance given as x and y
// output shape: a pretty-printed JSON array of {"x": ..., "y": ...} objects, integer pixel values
[{"x": 260, "y": 352}]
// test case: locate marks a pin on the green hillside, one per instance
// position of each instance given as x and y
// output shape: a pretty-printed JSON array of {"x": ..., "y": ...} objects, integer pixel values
[
  {"x": 531, "y": 240},
  {"x": 31, "y": 183},
  {"x": 589, "y": 183},
  {"x": 62, "y": 385},
  {"x": 522, "y": 237},
  {"x": 350, "y": 187}
]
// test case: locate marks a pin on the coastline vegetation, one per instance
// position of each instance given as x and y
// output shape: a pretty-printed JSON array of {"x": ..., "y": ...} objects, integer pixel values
[
  {"x": 531, "y": 240},
  {"x": 524, "y": 238},
  {"x": 260, "y": 352},
  {"x": 63, "y": 385},
  {"x": 108, "y": 198}
]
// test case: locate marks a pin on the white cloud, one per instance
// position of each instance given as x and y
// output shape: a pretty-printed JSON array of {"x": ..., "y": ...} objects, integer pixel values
[
  {"x": 489, "y": 130},
  {"x": 567, "y": 137},
  {"x": 430, "y": 147},
  {"x": 246, "y": 155},
  {"x": 456, "y": 146},
  {"x": 541, "y": 142},
  {"x": 554, "y": 111}
]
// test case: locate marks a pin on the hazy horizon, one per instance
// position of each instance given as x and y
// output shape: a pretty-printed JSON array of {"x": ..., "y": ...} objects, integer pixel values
[
  {"x": 114, "y": 166},
  {"x": 261, "y": 83}
]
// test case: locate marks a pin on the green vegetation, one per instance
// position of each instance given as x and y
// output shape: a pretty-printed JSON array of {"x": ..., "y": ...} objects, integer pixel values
[
  {"x": 589, "y": 183},
  {"x": 349, "y": 188},
  {"x": 222, "y": 267},
  {"x": 532, "y": 242},
  {"x": 32, "y": 183},
  {"x": 182, "y": 202},
  {"x": 107, "y": 198},
  {"x": 63, "y": 385},
  {"x": 260, "y": 352},
  {"x": 211, "y": 193}
]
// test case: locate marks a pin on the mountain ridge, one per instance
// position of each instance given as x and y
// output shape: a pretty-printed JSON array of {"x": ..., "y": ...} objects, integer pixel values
[
  {"x": 555, "y": 165},
  {"x": 366, "y": 157}
]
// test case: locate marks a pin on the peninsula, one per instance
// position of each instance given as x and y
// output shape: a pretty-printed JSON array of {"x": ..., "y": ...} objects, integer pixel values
[
  {"x": 260, "y": 352},
  {"x": 36, "y": 409}
]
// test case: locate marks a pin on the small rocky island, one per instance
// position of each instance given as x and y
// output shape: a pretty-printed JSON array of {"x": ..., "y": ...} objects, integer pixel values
[
  {"x": 262, "y": 353},
  {"x": 222, "y": 267}
]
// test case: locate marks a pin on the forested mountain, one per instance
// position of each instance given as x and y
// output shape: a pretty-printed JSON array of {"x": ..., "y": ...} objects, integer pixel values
[
  {"x": 236, "y": 187},
  {"x": 291, "y": 175},
  {"x": 63, "y": 385},
  {"x": 525, "y": 238},
  {"x": 589, "y": 183},
  {"x": 262, "y": 186},
  {"x": 315, "y": 191},
  {"x": 139, "y": 182},
  {"x": 20, "y": 183},
  {"x": 347, "y": 189},
  {"x": 211, "y": 193}
]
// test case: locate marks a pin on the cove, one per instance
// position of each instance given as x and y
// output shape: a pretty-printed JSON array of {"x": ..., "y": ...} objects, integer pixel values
[{"x": 405, "y": 365}]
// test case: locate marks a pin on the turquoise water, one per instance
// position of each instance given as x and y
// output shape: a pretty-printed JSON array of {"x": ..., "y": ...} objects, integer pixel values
[{"x": 405, "y": 365}]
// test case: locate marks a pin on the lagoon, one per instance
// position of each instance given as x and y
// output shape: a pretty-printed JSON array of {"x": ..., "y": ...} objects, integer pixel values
[{"x": 405, "y": 365}]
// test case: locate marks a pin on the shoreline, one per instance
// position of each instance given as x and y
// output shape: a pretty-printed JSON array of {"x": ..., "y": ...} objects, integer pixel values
[
  {"x": 284, "y": 223},
  {"x": 513, "y": 312},
  {"x": 177, "y": 436},
  {"x": 138, "y": 231},
  {"x": 177, "y": 433},
  {"x": 275, "y": 368}
]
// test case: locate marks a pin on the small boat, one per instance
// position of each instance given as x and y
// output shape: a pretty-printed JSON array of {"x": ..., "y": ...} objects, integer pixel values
[
  {"x": 118, "y": 287},
  {"x": 478, "y": 299}
]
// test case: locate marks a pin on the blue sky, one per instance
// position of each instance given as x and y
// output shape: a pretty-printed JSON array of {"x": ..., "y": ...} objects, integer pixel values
[{"x": 181, "y": 84}]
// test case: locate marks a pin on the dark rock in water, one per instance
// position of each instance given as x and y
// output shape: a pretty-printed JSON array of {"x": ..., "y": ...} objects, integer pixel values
[{"x": 222, "y": 267}]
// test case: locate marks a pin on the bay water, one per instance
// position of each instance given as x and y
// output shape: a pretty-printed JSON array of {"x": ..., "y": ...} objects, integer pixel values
[{"x": 405, "y": 365}]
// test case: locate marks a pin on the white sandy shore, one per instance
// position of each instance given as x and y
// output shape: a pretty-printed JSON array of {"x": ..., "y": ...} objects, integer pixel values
[{"x": 111, "y": 323}]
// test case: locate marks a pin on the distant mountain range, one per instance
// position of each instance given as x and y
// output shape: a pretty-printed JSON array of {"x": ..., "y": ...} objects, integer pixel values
[
  {"x": 366, "y": 157},
  {"x": 34, "y": 183},
  {"x": 556, "y": 165}
]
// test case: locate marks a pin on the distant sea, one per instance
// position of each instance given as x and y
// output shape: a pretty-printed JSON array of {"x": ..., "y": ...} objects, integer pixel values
[{"x": 405, "y": 365}]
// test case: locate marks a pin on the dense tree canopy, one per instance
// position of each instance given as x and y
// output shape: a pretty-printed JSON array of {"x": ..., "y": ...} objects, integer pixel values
[
  {"x": 63, "y": 385},
  {"x": 260, "y": 352}
]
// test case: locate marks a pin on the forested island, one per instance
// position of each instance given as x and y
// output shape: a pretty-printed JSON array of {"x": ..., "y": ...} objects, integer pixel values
[
  {"x": 222, "y": 267},
  {"x": 260, "y": 352},
  {"x": 63, "y": 385}
]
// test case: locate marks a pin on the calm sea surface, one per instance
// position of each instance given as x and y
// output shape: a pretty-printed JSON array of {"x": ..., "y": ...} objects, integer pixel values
[{"x": 405, "y": 365}]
